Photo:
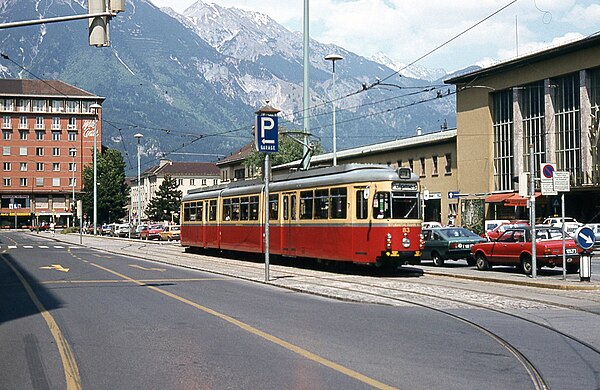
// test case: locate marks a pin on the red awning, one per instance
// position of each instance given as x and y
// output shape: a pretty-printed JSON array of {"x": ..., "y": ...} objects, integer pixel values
[
  {"x": 497, "y": 198},
  {"x": 518, "y": 200}
]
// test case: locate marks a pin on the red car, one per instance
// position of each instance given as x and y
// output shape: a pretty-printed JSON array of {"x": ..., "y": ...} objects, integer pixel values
[
  {"x": 496, "y": 232},
  {"x": 513, "y": 247},
  {"x": 153, "y": 232}
]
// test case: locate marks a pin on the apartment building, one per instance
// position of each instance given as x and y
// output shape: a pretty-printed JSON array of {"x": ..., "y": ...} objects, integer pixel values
[{"x": 49, "y": 131}]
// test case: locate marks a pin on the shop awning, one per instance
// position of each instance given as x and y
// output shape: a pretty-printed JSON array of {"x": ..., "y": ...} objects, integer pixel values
[
  {"x": 518, "y": 200},
  {"x": 497, "y": 198}
]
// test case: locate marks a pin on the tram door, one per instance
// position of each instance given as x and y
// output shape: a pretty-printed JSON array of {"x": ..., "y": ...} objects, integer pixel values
[
  {"x": 204, "y": 221},
  {"x": 288, "y": 245}
]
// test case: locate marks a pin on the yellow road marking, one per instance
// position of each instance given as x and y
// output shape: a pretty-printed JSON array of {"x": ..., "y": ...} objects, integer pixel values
[
  {"x": 143, "y": 281},
  {"x": 57, "y": 267},
  {"x": 147, "y": 269},
  {"x": 276, "y": 340},
  {"x": 66, "y": 353}
]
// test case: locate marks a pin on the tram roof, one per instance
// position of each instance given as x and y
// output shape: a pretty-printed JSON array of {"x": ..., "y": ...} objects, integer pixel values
[{"x": 282, "y": 181}]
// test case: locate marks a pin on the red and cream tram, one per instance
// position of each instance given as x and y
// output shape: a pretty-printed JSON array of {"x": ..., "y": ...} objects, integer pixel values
[{"x": 356, "y": 213}]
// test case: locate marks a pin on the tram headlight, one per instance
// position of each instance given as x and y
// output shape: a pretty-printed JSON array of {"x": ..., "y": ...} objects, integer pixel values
[
  {"x": 406, "y": 241},
  {"x": 388, "y": 241}
]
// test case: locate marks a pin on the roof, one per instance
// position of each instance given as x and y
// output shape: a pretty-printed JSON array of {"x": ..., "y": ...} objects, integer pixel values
[
  {"x": 240, "y": 155},
  {"x": 46, "y": 88},
  {"x": 526, "y": 60},
  {"x": 404, "y": 143},
  {"x": 188, "y": 169}
]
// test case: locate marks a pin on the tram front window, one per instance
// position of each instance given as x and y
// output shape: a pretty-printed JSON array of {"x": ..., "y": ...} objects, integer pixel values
[{"x": 395, "y": 205}]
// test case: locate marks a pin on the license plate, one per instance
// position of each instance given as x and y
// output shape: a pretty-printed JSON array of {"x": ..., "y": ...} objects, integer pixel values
[{"x": 571, "y": 251}]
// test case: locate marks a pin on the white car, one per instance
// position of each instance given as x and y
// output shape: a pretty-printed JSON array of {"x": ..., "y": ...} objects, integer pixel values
[{"x": 571, "y": 224}]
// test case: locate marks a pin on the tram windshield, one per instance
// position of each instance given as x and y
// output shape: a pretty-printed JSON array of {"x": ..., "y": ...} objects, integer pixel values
[{"x": 396, "y": 205}]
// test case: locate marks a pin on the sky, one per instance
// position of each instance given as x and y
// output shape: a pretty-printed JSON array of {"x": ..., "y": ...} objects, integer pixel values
[{"x": 407, "y": 30}]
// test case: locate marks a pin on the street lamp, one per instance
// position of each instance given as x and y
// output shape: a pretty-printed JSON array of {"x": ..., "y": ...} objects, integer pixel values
[
  {"x": 95, "y": 107},
  {"x": 333, "y": 58},
  {"x": 139, "y": 192},
  {"x": 72, "y": 152}
]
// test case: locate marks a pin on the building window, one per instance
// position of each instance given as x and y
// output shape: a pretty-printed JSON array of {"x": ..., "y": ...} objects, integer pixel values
[
  {"x": 72, "y": 167},
  {"x": 6, "y": 182},
  {"x": 58, "y": 105},
  {"x": 568, "y": 126},
  {"x": 39, "y": 105},
  {"x": 6, "y": 150},
  {"x": 411, "y": 164},
  {"x": 532, "y": 110},
  {"x": 72, "y": 105},
  {"x": 23, "y": 105},
  {"x": 39, "y": 135},
  {"x": 23, "y": 167},
  {"x": 56, "y": 151},
  {"x": 448, "y": 165},
  {"x": 39, "y": 181},
  {"x": 23, "y": 135},
  {"x": 72, "y": 136},
  {"x": 72, "y": 125},
  {"x": 6, "y": 122},
  {"x": 434, "y": 163},
  {"x": 422, "y": 161},
  {"x": 6, "y": 104},
  {"x": 39, "y": 166},
  {"x": 56, "y": 182},
  {"x": 6, "y": 166},
  {"x": 72, "y": 182},
  {"x": 399, "y": 162},
  {"x": 39, "y": 122},
  {"x": 203, "y": 182},
  {"x": 502, "y": 123},
  {"x": 179, "y": 182},
  {"x": 6, "y": 135},
  {"x": 23, "y": 182},
  {"x": 56, "y": 136},
  {"x": 55, "y": 123},
  {"x": 23, "y": 151},
  {"x": 191, "y": 182},
  {"x": 23, "y": 122},
  {"x": 39, "y": 151},
  {"x": 55, "y": 167},
  {"x": 595, "y": 105},
  {"x": 239, "y": 174}
]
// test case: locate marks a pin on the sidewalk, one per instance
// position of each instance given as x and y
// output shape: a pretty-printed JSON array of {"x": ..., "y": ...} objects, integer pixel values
[{"x": 172, "y": 253}]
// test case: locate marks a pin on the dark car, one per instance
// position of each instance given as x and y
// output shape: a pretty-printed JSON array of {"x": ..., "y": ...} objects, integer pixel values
[
  {"x": 449, "y": 243},
  {"x": 514, "y": 246}
]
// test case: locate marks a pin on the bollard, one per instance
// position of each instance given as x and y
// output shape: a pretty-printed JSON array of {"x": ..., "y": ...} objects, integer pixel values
[{"x": 585, "y": 266}]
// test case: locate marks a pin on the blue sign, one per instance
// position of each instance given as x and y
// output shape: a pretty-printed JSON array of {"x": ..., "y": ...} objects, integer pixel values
[
  {"x": 453, "y": 194},
  {"x": 548, "y": 170},
  {"x": 267, "y": 134},
  {"x": 584, "y": 237}
]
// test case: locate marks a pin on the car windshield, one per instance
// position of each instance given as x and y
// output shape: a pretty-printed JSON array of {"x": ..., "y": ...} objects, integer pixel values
[
  {"x": 156, "y": 227},
  {"x": 549, "y": 234},
  {"x": 458, "y": 232}
]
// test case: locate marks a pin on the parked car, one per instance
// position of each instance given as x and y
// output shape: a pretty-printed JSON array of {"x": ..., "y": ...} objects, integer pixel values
[
  {"x": 121, "y": 230},
  {"x": 170, "y": 233},
  {"x": 491, "y": 224},
  {"x": 498, "y": 230},
  {"x": 513, "y": 247},
  {"x": 431, "y": 224},
  {"x": 571, "y": 224},
  {"x": 449, "y": 243},
  {"x": 152, "y": 233},
  {"x": 596, "y": 229},
  {"x": 136, "y": 232},
  {"x": 106, "y": 230}
]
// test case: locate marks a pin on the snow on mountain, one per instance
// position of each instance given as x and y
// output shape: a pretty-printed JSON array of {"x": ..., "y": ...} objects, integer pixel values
[{"x": 413, "y": 71}]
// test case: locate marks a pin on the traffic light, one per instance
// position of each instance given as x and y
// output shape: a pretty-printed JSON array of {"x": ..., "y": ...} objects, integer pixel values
[{"x": 98, "y": 26}]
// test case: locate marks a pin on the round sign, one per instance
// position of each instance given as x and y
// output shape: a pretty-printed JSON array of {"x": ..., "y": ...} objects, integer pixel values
[
  {"x": 584, "y": 237},
  {"x": 548, "y": 171}
]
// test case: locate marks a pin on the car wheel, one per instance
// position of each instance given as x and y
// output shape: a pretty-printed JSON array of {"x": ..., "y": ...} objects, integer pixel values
[
  {"x": 481, "y": 262},
  {"x": 437, "y": 260},
  {"x": 471, "y": 260},
  {"x": 526, "y": 265}
]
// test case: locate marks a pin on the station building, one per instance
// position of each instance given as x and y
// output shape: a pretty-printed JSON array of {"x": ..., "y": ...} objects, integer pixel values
[
  {"x": 545, "y": 104},
  {"x": 48, "y": 129}
]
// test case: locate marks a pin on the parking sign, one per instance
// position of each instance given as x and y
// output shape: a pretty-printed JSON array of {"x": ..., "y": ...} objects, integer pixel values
[{"x": 267, "y": 134}]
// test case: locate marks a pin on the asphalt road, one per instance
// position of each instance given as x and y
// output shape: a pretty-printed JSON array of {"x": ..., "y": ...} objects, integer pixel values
[{"x": 73, "y": 317}]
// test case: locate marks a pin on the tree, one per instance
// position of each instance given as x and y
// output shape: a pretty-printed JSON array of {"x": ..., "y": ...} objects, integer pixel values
[
  {"x": 112, "y": 189},
  {"x": 164, "y": 206},
  {"x": 289, "y": 150}
]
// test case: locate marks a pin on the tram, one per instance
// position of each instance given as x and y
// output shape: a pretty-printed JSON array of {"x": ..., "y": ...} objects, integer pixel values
[{"x": 354, "y": 213}]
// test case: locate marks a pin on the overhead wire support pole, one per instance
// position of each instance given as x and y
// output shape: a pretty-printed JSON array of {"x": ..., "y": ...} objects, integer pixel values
[
  {"x": 55, "y": 20},
  {"x": 306, "y": 85}
]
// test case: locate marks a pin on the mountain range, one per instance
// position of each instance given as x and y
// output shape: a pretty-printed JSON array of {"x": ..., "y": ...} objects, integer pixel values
[{"x": 191, "y": 82}]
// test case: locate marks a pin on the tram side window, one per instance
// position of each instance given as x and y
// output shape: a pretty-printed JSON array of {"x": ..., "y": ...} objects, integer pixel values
[
  {"x": 273, "y": 206},
  {"x": 227, "y": 209},
  {"x": 338, "y": 203},
  {"x": 235, "y": 209},
  {"x": 186, "y": 212},
  {"x": 212, "y": 210},
  {"x": 199, "y": 211},
  {"x": 244, "y": 208},
  {"x": 286, "y": 207},
  {"x": 193, "y": 211},
  {"x": 321, "y": 204},
  {"x": 381, "y": 205},
  {"x": 254, "y": 208},
  {"x": 362, "y": 205},
  {"x": 306, "y": 205}
]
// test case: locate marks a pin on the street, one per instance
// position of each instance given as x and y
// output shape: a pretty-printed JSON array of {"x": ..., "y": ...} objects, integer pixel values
[{"x": 78, "y": 317}]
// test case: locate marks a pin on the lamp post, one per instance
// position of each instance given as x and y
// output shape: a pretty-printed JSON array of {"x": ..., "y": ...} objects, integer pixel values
[
  {"x": 139, "y": 136},
  {"x": 72, "y": 152},
  {"x": 95, "y": 107},
  {"x": 333, "y": 58}
]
